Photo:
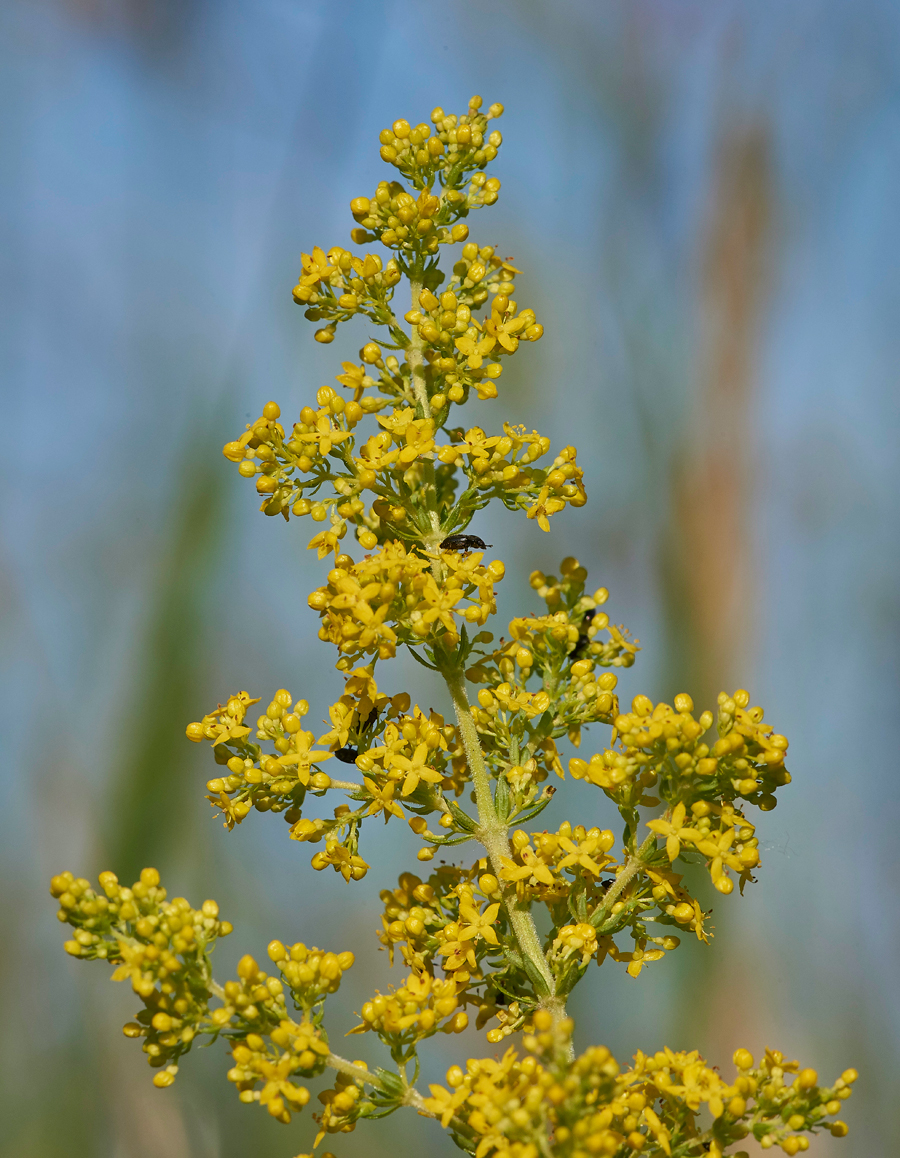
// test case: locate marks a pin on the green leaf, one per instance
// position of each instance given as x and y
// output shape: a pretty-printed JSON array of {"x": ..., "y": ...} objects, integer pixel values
[
  {"x": 465, "y": 822},
  {"x": 501, "y": 798},
  {"x": 419, "y": 659},
  {"x": 391, "y": 1083},
  {"x": 448, "y": 840},
  {"x": 535, "y": 977},
  {"x": 532, "y": 812}
]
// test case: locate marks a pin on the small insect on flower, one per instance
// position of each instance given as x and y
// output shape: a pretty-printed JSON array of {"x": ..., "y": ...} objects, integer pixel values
[
  {"x": 347, "y": 754},
  {"x": 464, "y": 543},
  {"x": 583, "y": 638}
]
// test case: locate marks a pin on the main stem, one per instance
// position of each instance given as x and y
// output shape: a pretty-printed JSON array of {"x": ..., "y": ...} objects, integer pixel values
[
  {"x": 415, "y": 359},
  {"x": 492, "y": 834},
  {"x": 415, "y": 356}
]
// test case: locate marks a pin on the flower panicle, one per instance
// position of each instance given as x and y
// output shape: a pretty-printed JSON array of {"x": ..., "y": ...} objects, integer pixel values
[{"x": 496, "y": 940}]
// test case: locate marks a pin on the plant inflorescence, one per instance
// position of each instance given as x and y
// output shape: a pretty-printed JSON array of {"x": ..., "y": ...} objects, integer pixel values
[{"x": 380, "y": 456}]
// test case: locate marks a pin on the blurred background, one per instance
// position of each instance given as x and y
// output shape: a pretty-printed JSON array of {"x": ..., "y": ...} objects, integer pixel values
[{"x": 703, "y": 198}]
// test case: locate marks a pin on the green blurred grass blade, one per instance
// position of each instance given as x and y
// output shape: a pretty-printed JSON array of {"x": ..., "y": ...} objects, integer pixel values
[{"x": 150, "y": 793}]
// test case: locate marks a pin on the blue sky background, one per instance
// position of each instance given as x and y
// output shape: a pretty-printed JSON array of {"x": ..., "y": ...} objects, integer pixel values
[{"x": 164, "y": 166}]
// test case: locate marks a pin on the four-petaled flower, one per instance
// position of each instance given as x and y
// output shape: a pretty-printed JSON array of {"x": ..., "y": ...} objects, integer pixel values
[
  {"x": 505, "y": 332},
  {"x": 478, "y": 924},
  {"x": 580, "y": 854},
  {"x": 474, "y": 347},
  {"x": 674, "y": 831},
  {"x": 416, "y": 769},
  {"x": 444, "y": 1103},
  {"x": 382, "y": 800},
  {"x": 316, "y": 266}
]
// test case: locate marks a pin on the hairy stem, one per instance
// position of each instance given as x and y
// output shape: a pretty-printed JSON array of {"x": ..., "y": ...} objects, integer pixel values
[
  {"x": 414, "y": 355},
  {"x": 492, "y": 834},
  {"x": 415, "y": 359}
]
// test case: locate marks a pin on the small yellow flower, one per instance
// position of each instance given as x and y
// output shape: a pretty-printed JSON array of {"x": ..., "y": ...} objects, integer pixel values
[
  {"x": 416, "y": 768},
  {"x": 675, "y": 831},
  {"x": 315, "y": 267},
  {"x": 478, "y": 924},
  {"x": 382, "y": 800},
  {"x": 444, "y": 1103}
]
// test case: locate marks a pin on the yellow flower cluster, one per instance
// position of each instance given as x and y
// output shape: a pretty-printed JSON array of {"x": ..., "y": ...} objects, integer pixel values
[
  {"x": 460, "y": 940},
  {"x": 592, "y": 889},
  {"x": 545, "y": 1103},
  {"x": 391, "y": 465},
  {"x": 459, "y": 145},
  {"x": 501, "y": 466},
  {"x": 309, "y": 973},
  {"x": 535, "y": 868},
  {"x": 263, "y": 452},
  {"x": 343, "y": 1105},
  {"x": 161, "y": 946},
  {"x": 413, "y": 754},
  {"x": 360, "y": 714},
  {"x": 562, "y": 649},
  {"x": 275, "y": 782},
  {"x": 415, "y": 913},
  {"x": 257, "y": 1001},
  {"x": 747, "y": 759},
  {"x": 513, "y": 1105},
  {"x": 731, "y": 843},
  {"x": 442, "y": 920},
  {"x": 412, "y": 758},
  {"x": 392, "y": 598},
  {"x": 259, "y": 1064},
  {"x": 456, "y": 343},
  {"x": 664, "y": 746},
  {"x": 781, "y": 1109},
  {"x": 337, "y": 285},
  {"x": 413, "y": 751},
  {"x": 417, "y": 1010}
]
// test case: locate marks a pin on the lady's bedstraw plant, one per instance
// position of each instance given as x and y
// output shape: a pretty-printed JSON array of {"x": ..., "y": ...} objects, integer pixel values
[{"x": 408, "y": 488}]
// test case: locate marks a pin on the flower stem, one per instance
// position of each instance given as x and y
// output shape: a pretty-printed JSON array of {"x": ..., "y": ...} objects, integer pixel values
[
  {"x": 412, "y": 1097},
  {"x": 492, "y": 834},
  {"x": 633, "y": 865}
]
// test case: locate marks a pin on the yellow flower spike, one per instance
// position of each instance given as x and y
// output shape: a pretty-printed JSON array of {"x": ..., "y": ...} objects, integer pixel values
[{"x": 373, "y": 461}]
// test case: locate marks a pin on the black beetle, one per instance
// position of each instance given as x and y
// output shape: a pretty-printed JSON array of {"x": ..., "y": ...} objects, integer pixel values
[
  {"x": 583, "y": 638},
  {"x": 464, "y": 543},
  {"x": 370, "y": 719},
  {"x": 347, "y": 755}
]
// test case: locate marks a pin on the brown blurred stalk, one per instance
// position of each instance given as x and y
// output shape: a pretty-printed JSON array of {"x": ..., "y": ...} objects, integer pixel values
[
  {"x": 709, "y": 559},
  {"x": 708, "y": 555}
]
